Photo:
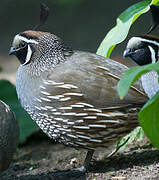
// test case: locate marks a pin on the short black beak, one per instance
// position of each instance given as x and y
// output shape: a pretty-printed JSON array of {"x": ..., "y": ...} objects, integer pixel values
[
  {"x": 12, "y": 51},
  {"x": 127, "y": 53}
]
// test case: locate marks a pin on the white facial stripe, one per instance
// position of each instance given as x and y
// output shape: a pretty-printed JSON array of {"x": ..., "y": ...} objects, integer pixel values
[
  {"x": 150, "y": 41},
  {"x": 135, "y": 40},
  {"x": 19, "y": 38},
  {"x": 28, "y": 40},
  {"x": 28, "y": 57},
  {"x": 152, "y": 54}
]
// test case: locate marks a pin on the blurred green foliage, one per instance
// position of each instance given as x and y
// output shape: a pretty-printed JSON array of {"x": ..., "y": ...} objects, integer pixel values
[{"x": 9, "y": 96}]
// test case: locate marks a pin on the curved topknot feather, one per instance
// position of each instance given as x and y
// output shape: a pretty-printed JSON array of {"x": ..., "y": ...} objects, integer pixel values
[{"x": 44, "y": 13}]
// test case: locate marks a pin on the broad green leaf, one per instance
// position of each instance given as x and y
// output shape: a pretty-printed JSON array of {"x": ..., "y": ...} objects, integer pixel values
[
  {"x": 8, "y": 95},
  {"x": 149, "y": 120},
  {"x": 156, "y": 2},
  {"x": 123, "y": 23},
  {"x": 132, "y": 75}
]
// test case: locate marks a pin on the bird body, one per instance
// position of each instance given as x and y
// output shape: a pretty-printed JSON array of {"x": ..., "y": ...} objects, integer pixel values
[
  {"x": 72, "y": 94},
  {"x": 144, "y": 50}
]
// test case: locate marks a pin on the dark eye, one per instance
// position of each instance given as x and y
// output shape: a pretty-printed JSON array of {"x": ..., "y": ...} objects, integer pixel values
[{"x": 22, "y": 44}]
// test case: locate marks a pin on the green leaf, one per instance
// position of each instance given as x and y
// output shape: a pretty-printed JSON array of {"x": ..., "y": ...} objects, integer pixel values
[
  {"x": 149, "y": 120},
  {"x": 155, "y": 2},
  {"x": 136, "y": 135},
  {"x": 8, "y": 95},
  {"x": 132, "y": 75},
  {"x": 123, "y": 23}
]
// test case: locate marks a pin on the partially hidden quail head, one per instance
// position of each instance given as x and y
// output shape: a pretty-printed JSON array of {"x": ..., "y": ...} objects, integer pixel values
[
  {"x": 144, "y": 50},
  {"x": 9, "y": 136}
]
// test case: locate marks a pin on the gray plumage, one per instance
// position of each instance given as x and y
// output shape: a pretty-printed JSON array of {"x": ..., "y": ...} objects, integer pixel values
[
  {"x": 150, "y": 83},
  {"x": 9, "y": 136}
]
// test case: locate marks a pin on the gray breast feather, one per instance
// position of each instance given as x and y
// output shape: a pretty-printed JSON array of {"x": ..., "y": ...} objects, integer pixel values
[{"x": 150, "y": 83}]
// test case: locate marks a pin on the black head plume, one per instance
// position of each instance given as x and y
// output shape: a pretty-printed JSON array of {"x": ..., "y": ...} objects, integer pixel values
[
  {"x": 44, "y": 12},
  {"x": 155, "y": 17}
]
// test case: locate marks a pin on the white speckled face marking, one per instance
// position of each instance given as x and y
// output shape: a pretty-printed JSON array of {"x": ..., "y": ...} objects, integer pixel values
[
  {"x": 18, "y": 39},
  {"x": 135, "y": 41}
]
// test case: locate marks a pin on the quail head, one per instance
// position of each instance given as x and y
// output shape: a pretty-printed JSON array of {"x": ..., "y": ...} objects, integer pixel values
[
  {"x": 9, "y": 135},
  {"x": 72, "y": 95},
  {"x": 144, "y": 50}
]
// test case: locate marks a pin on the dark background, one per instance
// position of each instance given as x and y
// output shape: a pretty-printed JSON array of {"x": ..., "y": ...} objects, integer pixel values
[{"x": 82, "y": 24}]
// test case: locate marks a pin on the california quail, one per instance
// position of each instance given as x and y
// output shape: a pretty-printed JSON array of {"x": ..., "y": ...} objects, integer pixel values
[
  {"x": 9, "y": 135},
  {"x": 144, "y": 50},
  {"x": 72, "y": 94}
]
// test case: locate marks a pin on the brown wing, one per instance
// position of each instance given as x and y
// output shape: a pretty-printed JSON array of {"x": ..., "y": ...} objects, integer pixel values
[
  {"x": 82, "y": 102},
  {"x": 96, "y": 78}
]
